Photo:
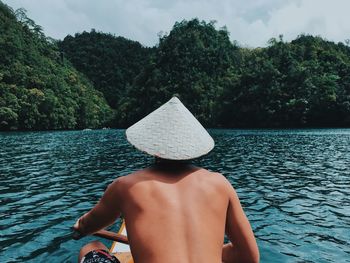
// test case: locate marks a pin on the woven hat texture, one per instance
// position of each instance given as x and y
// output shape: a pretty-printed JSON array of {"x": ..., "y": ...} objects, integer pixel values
[{"x": 170, "y": 132}]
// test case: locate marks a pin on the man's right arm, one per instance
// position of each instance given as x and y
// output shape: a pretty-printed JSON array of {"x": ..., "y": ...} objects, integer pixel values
[
  {"x": 103, "y": 214},
  {"x": 243, "y": 247}
]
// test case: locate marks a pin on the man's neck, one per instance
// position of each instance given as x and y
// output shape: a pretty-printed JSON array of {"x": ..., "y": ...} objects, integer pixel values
[{"x": 171, "y": 165}]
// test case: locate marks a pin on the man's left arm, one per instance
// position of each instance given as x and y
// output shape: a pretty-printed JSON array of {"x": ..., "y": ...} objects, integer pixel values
[{"x": 105, "y": 212}]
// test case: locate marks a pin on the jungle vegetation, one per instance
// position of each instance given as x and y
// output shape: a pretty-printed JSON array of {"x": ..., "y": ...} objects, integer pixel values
[
  {"x": 94, "y": 79},
  {"x": 39, "y": 89}
]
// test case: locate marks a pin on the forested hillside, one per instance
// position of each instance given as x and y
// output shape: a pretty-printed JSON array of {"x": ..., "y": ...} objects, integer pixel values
[
  {"x": 39, "y": 89},
  {"x": 195, "y": 61},
  {"x": 110, "y": 62},
  {"x": 302, "y": 83}
]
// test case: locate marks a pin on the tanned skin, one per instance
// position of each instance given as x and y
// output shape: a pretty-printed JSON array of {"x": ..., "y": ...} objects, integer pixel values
[{"x": 176, "y": 213}]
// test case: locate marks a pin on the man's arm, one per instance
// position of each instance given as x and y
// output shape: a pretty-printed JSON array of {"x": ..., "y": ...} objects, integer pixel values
[
  {"x": 105, "y": 212},
  {"x": 243, "y": 247}
]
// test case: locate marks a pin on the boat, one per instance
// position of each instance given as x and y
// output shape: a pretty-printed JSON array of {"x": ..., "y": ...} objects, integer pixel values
[{"x": 122, "y": 250}]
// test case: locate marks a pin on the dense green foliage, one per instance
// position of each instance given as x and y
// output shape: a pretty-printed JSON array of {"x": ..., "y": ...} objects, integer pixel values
[
  {"x": 302, "y": 83},
  {"x": 38, "y": 89},
  {"x": 110, "y": 62},
  {"x": 194, "y": 62}
]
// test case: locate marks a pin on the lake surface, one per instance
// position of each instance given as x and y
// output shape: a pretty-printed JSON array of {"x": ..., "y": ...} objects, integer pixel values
[{"x": 294, "y": 186}]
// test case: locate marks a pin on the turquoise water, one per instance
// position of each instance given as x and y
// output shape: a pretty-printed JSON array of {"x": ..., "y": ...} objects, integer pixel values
[{"x": 294, "y": 186}]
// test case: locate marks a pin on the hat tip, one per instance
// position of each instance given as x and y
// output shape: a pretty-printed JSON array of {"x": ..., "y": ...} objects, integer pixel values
[{"x": 175, "y": 99}]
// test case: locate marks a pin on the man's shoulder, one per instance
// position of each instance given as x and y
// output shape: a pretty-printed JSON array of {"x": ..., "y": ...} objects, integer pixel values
[
  {"x": 219, "y": 177},
  {"x": 224, "y": 183},
  {"x": 129, "y": 178},
  {"x": 214, "y": 178}
]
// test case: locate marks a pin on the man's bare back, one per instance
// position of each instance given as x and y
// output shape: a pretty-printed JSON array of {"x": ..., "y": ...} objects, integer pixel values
[
  {"x": 177, "y": 215},
  {"x": 174, "y": 212}
]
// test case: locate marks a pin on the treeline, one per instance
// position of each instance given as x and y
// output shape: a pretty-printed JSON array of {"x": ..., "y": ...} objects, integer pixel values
[
  {"x": 115, "y": 81},
  {"x": 39, "y": 89},
  {"x": 302, "y": 83}
]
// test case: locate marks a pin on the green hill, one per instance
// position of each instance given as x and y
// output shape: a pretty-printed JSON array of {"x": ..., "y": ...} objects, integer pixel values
[
  {"x": 38, "y": 88},
  {"x": 110, "y": 62},
  {"x": 194, "y": 61},
  {"x": 302, "y": 83}
]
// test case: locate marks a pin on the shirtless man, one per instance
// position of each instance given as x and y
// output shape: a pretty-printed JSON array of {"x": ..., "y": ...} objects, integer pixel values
[{"x": 174, "y": 212}]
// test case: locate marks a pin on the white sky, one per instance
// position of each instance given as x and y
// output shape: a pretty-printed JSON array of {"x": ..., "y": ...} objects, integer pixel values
[{"x": 250, "y": 22}]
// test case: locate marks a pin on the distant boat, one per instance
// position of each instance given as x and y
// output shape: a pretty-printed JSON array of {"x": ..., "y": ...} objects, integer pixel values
[{"x": 87, "y": 130}]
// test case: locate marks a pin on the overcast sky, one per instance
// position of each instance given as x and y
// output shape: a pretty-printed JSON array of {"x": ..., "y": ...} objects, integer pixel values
[{"x": 250, "y": 22}]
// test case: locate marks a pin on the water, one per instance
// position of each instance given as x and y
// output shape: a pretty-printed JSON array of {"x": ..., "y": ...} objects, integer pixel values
[{"x": 294, "y": 186}]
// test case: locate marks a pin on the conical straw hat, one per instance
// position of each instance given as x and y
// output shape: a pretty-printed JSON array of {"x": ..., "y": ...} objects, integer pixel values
[{"x": 170, "y": 132}]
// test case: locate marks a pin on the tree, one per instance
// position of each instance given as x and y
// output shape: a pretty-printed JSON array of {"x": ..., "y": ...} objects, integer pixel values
[{"x": 37, "y": 90}]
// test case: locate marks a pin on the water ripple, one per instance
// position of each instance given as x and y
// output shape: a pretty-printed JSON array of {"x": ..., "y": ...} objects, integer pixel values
[{"x": 293, "y": 184}]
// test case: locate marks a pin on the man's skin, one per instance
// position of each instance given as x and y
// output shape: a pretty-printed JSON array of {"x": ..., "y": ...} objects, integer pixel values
[{"x": 176, "y": 213}]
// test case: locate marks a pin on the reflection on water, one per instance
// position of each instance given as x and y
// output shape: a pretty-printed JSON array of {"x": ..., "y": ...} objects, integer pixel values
[{"x": 294, "y": 186}]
